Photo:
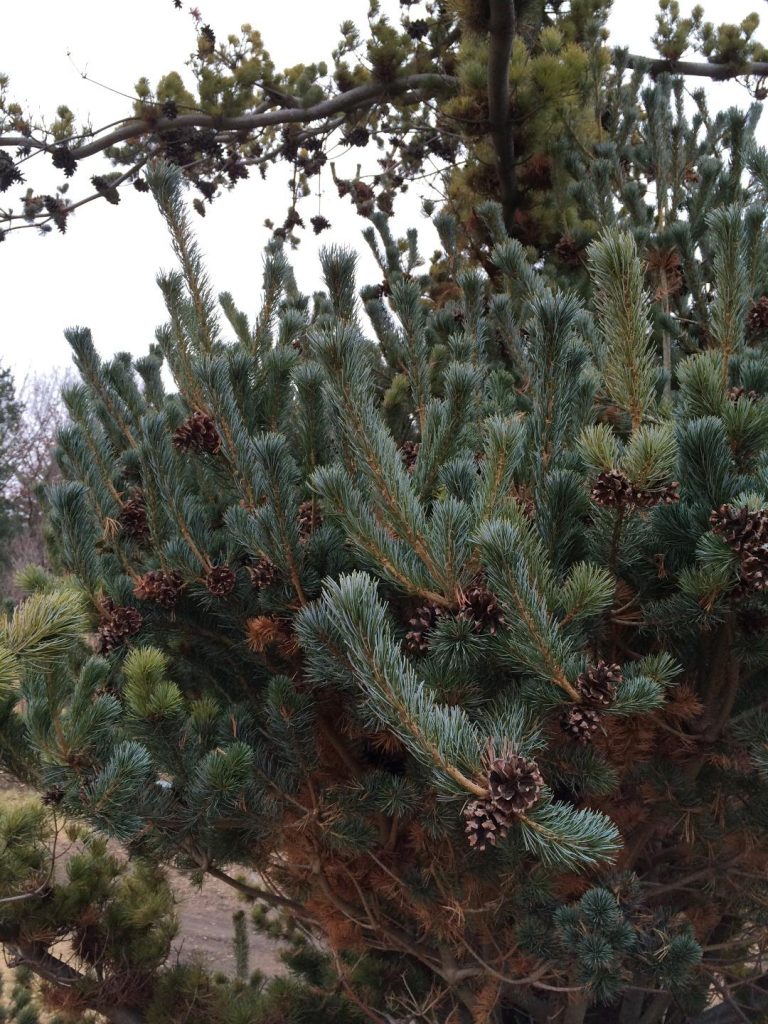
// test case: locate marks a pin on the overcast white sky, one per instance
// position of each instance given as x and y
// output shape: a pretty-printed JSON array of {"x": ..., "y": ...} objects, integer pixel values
[{"x": 102, "y": 273}]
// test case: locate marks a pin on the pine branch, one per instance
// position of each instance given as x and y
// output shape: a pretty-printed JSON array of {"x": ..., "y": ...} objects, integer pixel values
[{"x": 502, "y": 24}]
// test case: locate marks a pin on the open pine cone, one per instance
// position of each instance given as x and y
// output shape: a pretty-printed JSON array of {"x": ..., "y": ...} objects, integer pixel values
[
  {"x": 263, "y": 573},
  {"x": 220, "y": 580},
  {"x": 514, "y": 784},
  {"x": 118, "y": 624},
  {"x": 197, "y": 433},
  {"x": 162, "y": 587},
  {"x": 484, "y": 825},
  {"x": 612, "y": 489},
  {"x": 133, "y": 517},
  {"x": 425, "y": 619},
  {"x": 480, "y": 606},
  {"x": 597, "y": 684},
  {"x": 580, "y": 723}
]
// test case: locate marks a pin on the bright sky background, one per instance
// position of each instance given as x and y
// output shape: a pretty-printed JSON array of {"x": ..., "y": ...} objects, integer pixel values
[{"x": 102, "y": 273}]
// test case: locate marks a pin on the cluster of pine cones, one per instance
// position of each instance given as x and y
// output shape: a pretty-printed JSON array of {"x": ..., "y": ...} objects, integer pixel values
[
  {"x": 514, "y": 786},
  {"x": 478, "y": 606},
  {"x": 597, "y": 686},
  {"x": 613, "y": 489},
  {"x": 746, "y": 534}
]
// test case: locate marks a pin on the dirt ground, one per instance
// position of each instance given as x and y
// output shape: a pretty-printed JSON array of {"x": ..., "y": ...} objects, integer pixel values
[{"x": 205, "y": 916}]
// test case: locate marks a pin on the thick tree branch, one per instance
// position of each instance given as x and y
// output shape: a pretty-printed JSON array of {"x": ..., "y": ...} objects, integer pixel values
[
  {"x": 344, "y": 102},
  {"x": 34, "y": 956},
  {"x": 696, "y": 69},
  {"x": 501, "y": 32}
]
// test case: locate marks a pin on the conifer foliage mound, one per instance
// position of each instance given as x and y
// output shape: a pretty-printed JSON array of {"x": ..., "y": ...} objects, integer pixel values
[{"x": 445, "y": 620}]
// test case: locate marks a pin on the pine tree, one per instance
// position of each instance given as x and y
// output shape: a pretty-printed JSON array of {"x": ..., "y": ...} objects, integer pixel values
[{"x": 580, "y": 538}]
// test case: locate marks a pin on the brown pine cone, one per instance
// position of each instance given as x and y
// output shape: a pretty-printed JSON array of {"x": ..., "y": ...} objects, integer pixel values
[
  {"x": 612, "y": 489},
  {"x": 597, "y": 684},
  {"x": 734, "y": 394},
  {"x": 480, "y": 606},
  {"x": 757, "y": 318},
  {"x": 409, "y": 450},
  {"x": 197, "y": 433},
  {"x": 165, "y": 588},
  {"x": 741, "y": 529},
  {"x": 133, "y": 517},
  {"x": 484, "y": 826},
  {"x": 53, "y": 797},
  {"x": 118, "y": 624},
  {"x": 579, "y": 723},
  {"x": 263, "y": 573},
  {"x": 568, "y": 251},
  {"x": 220, "y": 580},
  {"x": 667, "y": 494},
  {"x": 753, "y": 571},
  {"x": 423, "y": 622},
  {"x": 515, "y": 784},
  {"x": 309, "y": 519}
]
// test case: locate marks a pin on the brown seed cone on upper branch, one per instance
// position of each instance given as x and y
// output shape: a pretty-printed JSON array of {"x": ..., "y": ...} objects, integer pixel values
[
  {"x": 197, "y": 433},
  {"x": 309, "y": 519},
  {"x": 514, "y": 784},
  {"x": 597, "y": 684},
  {"x": 133, "y": 517},
  {"x": 580, "y": 723},
  {"x": 612, "y": 489},
  {"x": 118, "y": 624},
  {"x": 480, "y": 606},
  {"x": 220, "y": 580},
  {"x": 164, "y": 588},
  {"x": 263, "y": 573},
  {"x": 422, "y": 623}
]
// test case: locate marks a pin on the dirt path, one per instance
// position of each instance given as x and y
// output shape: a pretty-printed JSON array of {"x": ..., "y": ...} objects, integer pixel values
[{"x": 205, "y": 915}]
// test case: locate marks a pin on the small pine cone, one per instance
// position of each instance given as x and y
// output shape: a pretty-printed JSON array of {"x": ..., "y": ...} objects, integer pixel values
[
  {"x": 734, "y": 394},
  {"x": 481, "y": 607},
  {"x": 263, "y": 573},
  {"x": 220, "y": 580},
  {"x": 612, "y": 489},
  {"x": 597, "y": 684},
  {"x": 757, "y": 318},
  {"x": 409, "y": 450},
  {"x": 579, "y": 723},
  {"x": 164, "y": 588},
  {"x": 198, "y": 432},
  {"x": 515, "y": 784},
  {"x": 309, "y": 519},
  {"x": 484, "y": 825},
  {"x": 118, "y": 624},
  {"x": 133, "y": 518},
  {"x": 53, "y": 797},
  {"x": 569, "y": 252},
  {"x": 423, "y": 622},
  {"x": 668, "y": 494}
]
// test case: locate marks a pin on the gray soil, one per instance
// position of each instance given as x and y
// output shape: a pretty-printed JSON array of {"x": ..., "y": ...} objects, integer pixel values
[{"x": 205, "y": 916}]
